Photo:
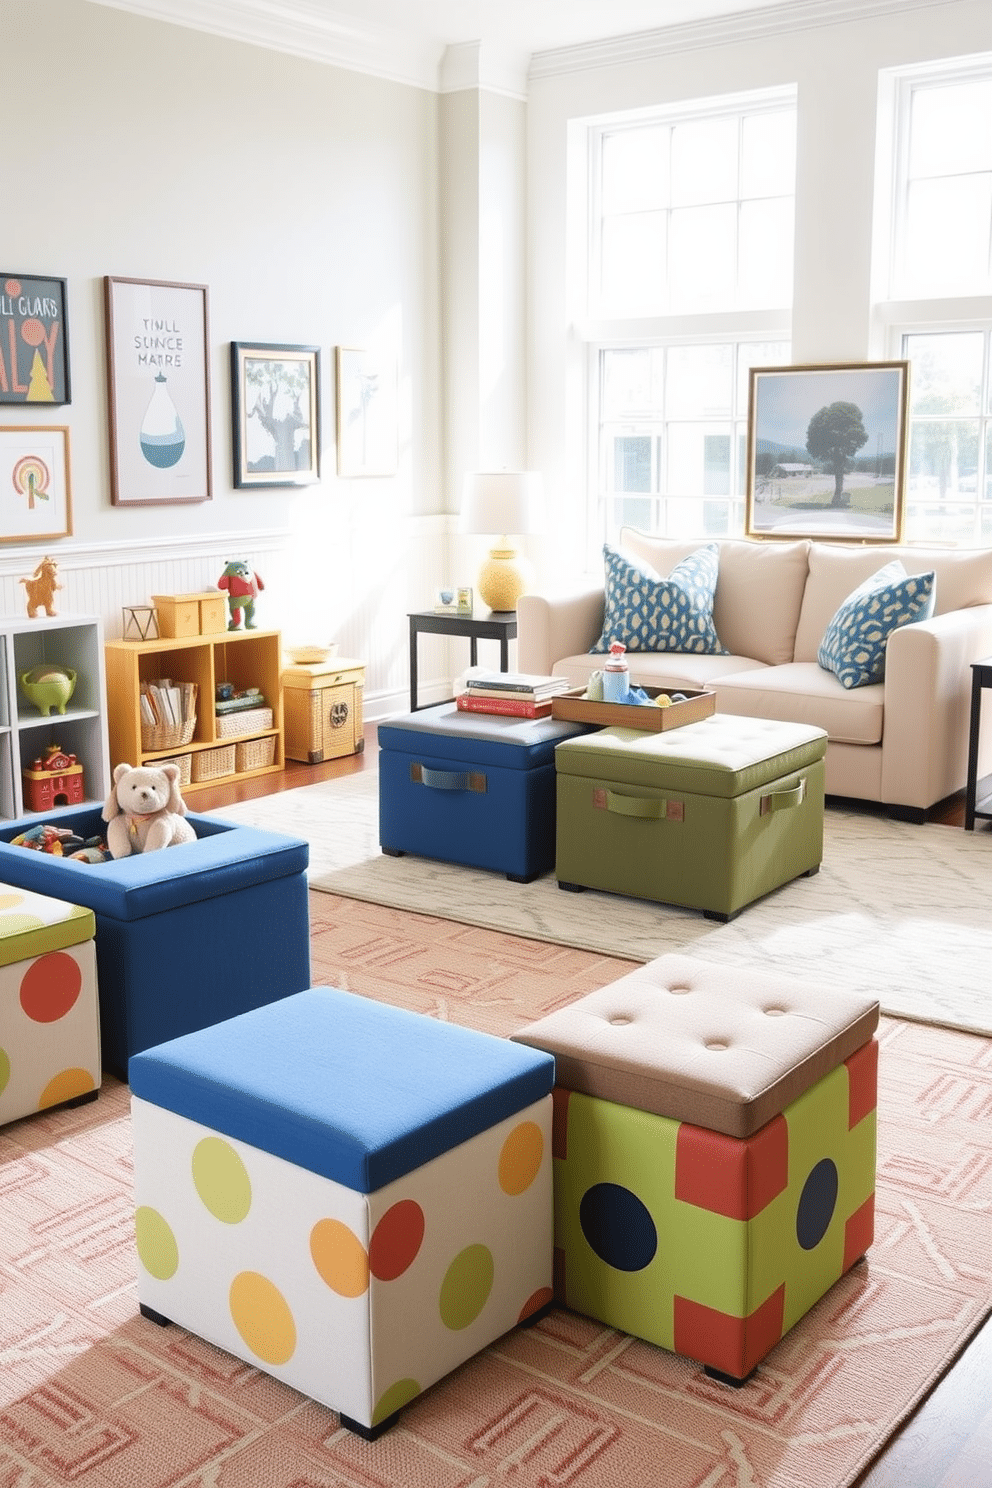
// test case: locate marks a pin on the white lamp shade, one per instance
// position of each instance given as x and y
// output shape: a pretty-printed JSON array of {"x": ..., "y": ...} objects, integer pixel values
[{"x": 502, "y": 501}]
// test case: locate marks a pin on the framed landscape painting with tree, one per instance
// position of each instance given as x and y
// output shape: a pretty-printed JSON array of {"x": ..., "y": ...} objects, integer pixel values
[
  {"x": 826, "y": 451},
  {"x": 275, "y": 398}
]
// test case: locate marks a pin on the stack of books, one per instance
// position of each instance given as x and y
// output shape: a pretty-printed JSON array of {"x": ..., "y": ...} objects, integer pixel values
[{"x": 519, "y": 694}]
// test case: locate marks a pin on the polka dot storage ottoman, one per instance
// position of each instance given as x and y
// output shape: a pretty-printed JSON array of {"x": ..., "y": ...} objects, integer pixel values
[
  {"x": 714, "y": 1154},
  {"x": 352, "y": 1197},
  {"x": 49, "y": 1015}
]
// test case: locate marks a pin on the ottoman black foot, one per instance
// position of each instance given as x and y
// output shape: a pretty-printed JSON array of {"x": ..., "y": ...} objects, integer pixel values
[
  {"x": 393, "y": 852},
  {"x": 571, "y": 888},
  {"x": 153, "y": 1316},
  {"x": 82, "y": 1100},
  {"x": 717, "y": 914},
  {"x": 368, "y": 1433},
  {"x": 522, "y": 877},
  {"x": 726, "y": 1379},
  {"x": 811, "y": 871}
]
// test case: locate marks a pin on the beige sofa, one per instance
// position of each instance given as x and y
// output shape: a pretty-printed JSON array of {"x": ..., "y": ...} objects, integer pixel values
[{"x": 902, "y": 741}]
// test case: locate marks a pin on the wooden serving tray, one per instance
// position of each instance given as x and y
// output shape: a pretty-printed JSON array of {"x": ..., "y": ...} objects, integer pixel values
[{"x": 577, "y": 709}]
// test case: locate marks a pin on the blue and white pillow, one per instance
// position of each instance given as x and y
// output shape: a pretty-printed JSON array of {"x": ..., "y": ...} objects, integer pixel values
[
  {"x": 853, "y": 645},
  {"x": 649, "y": 613}
]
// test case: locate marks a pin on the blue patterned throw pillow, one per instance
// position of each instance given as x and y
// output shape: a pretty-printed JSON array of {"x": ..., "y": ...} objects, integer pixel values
[
  {"x": 649, "y": 613},
  {"x": 853, "y": 645}
]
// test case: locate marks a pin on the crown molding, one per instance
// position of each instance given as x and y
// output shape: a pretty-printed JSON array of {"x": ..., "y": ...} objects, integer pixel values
[
  {"x": 726, "y": 30},
  {"x": 477, "y": 64},
  {"x": 305, "y": 29}
]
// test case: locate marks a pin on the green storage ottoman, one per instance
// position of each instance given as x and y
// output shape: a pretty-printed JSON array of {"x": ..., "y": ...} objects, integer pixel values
[
  {"x": 710, "y": 816},
  {"x": 714, "y": 1153}
]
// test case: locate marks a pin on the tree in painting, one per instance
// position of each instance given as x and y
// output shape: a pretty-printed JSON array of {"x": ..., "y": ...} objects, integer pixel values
[
  {"x": 278, "y": 396},
  {"x": 834, "y": 436}
]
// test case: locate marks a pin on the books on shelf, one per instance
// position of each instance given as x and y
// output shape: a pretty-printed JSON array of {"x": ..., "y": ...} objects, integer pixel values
[
  {"x": 507, "y": 705},
  {"x": 167, "y": 704},
  {"x": 524, "y": 685}
]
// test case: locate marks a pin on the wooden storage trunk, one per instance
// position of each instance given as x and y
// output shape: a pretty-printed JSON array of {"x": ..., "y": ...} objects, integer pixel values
[{"x": 323, "y": 710}]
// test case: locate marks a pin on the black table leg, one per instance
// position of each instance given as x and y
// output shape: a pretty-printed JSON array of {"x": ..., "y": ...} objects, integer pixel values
[
  {"x": 973, "y": 732},
  {"x": 413, "y": 667}
]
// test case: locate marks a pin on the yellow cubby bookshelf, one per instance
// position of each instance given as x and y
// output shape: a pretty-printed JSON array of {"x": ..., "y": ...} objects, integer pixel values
[{"x": 245, "y": 658}]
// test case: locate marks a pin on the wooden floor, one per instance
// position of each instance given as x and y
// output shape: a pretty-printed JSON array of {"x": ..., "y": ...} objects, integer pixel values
[{"x": 947, "y": 1442}]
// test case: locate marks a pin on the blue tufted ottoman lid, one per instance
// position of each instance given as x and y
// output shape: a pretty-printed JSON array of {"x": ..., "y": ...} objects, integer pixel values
[{"x": 356, "y": 1090}]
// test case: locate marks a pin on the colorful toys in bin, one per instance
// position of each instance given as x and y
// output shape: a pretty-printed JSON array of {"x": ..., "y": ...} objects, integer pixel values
[
  {"x": 46, "y": 837},
  {"x": 53, "y": 779}
]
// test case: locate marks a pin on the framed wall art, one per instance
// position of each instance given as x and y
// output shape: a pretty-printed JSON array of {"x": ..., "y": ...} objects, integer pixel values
[
  {"x": 159, "y": 376},
  {"x": 367, "y": 415},
  {"x": 826, "y": 451},
  {"x": 34, "y": 339},
  {"x": 275, "y": 403},
  {"x": 35, "y": 502}
]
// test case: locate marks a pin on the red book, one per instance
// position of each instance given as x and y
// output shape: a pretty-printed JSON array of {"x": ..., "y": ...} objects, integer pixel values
[{"x": 513, "y": 707}]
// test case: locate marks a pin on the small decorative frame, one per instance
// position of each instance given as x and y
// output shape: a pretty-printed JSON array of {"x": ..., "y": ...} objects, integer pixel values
[
  {"x": 159, "y": 375},
  {"x": 826, "y": 452},
  {"x": 367, "y": 414},
  {"x": 453, "y": 601},
  {"x": 34, "y": 339},
  {"x": 275, "y": 402},
  {"x": 35, "y": 498}
]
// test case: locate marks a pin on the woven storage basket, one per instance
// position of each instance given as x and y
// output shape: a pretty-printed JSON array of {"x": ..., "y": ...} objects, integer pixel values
[
  {"x": 166, "y": 735},
  {"x": 185, "y": 763},
  {"x": 210, "y": 764},
  {"x": 248, "y": 722},
  {"x": 254, "y": 754}
]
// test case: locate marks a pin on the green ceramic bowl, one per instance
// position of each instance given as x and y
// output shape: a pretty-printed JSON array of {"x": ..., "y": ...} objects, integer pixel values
[{"x": 49, "y": 685}]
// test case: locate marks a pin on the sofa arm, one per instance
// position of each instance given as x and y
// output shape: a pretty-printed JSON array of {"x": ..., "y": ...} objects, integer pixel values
[
  {"x": 548, "y": 629},
  {"x": 928, "y": 706}
]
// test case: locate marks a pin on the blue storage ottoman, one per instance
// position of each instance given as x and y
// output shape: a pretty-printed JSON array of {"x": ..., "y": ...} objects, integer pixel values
[
  {"x": 186, "y": 936},
  {"x": 471, "y": 788},
  {"x": 352, "y": 1197}
]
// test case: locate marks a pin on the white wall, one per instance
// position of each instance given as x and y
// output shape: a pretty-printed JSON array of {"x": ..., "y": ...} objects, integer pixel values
[
  {"x": 836, "y": 68},
  {"x": 305, "y": 198}
]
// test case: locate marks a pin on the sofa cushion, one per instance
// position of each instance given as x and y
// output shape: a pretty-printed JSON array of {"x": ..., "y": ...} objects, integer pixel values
[
  {"x": 964, "y": 578},
  {"x": 802, "y": 692},
  {"x": 669, "y": 670},
  {"x": 854, "y": 643},
  {"x": 648, "y": 612},
  {"x": 776, "y": 571}
]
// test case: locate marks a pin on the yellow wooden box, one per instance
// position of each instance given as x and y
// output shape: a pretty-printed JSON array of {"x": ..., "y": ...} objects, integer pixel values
[
  {"x": 181, "y": 615},
  {"x": 322, "y": 707}
]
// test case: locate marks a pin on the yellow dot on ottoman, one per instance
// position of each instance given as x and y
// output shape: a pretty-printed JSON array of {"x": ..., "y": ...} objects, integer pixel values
[
  {"x": 8, "y": 899},
  {"x": 4, "y": 1070},
  {"x": 466, "y": 1286},
  {"x": 50, "y": 986},
  {"x": 221, "y": 1180},
  {"x": 65, "y": 1086},
  {"x": 520, "y": 1158},
  {"x": 263, "y": 1318},
  {"x": 339, "y": 1257},
  {"x": 157, "y": 1248}
]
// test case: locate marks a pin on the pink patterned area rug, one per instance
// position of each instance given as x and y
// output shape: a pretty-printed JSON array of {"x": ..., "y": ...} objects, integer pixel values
[{"x": 92, "y": 1394}]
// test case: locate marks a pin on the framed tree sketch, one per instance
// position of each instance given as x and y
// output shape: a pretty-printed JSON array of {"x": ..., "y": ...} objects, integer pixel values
[
  {"x": 275, "y": 402},
  {"x": 35, "y": 503},
  {"x": 34, "y": 339},
  {"x": 367, "y": 422},
  {"x": 826, "y": 456},
  {"x": 159, "y": 376}
]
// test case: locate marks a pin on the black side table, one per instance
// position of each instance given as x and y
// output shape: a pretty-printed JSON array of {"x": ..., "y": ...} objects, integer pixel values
[
  {"x": 981, "y": 677},
  {"x": 498, "y": 625}
]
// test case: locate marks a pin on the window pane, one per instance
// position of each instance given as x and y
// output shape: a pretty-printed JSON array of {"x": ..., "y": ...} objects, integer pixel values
[
  {"x": 704, "y": 161},
  {"x": 700, "y": 381},
  {"x": 943, "y": 457},
  {"x": 947, "y": 372},
  {"x": 946, "y": 235},
  {"x": 757, "y": 354},
  {"x": 703, "y": 259},
  {"x": 767, "y": 232},
  {"x": 632, "y": 462},
  {"x": 635, "y": 169},
  {"x": 633, "y": 382},
  {"x": 940, "y": 524},
  {"x": 633, "y": 267},
  {"x": 951, "y": 129},
  {"x": 697, "y": 466},
  {"x": 768, "y": 154}
]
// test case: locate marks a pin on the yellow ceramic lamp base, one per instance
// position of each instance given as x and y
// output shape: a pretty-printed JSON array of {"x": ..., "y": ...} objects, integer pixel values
[{"x": 503, "y": 577}]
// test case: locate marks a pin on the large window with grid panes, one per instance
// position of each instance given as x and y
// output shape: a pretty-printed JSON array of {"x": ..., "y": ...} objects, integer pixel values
[
  {"x": 937, "y": 274},
  {"x": 689, "y": 286}
]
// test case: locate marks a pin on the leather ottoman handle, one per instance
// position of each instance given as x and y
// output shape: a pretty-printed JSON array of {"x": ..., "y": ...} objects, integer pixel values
[
  {"x": 453, "y": 780},
  {"x": 784, "y": 800}
]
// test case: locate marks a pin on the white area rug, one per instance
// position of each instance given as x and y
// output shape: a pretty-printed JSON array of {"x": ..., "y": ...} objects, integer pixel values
[{"x": 898, "y": 910}]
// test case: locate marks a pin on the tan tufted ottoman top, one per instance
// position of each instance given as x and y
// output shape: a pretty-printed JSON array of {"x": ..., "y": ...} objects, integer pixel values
[{"x": 723, "y": 1047}]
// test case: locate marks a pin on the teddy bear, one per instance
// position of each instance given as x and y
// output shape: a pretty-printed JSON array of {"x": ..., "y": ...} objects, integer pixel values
[
  {"x": 145, "y": 811},
  {"x": 242, "y": 585}
]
